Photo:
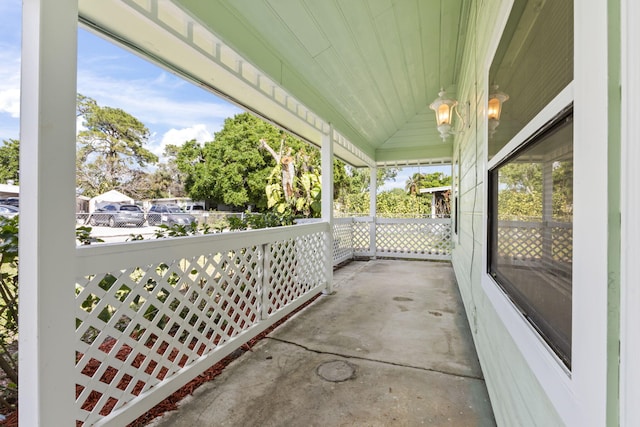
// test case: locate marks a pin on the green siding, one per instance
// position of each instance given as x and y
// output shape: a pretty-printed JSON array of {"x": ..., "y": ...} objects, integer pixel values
[
  {"x": 516, "y": 396},
  {"x": 613, "y": 261}
]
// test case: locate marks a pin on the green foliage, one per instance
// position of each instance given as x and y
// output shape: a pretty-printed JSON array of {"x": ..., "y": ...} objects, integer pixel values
[
  {"x": 305, "y": 199},
  {"x": 398, "y": 203},
  {"x": 9, "y": 309},
  {"x": 83, "y": 235},
  {"x": 519, "y": 205},
  {"x": 257, "y": 221},
  {"x": 563, "y": 191},
  {"x": 110, "y": 149},
  {"x": 351, "y": 186},
  {"x": 520, "y": 194},
  {"x": 10, "y": 161},
  {"x": 231, "y": 169},
  {"x": 178, "y": 230},
  {"x": 522, "y": 177},
  {"x": 426, "y": 180},
  {"x": 355, "y": 203}
]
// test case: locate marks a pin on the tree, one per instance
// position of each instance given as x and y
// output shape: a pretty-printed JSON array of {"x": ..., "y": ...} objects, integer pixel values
[
  {"x": 397, "y": 202},
  {"x": 111, "y": 152},
  {"x": 231, "y": 169},
  {"x": 520, "y": 197},
  {"x": 166, "y": 180},
  {"x": 426, "y": 180},
  {"x": 295, "y": 185},
  {"x": 10, "y": 161}
]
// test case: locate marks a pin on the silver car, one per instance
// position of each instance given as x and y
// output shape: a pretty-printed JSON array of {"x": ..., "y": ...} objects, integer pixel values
[
  {"x": 115, "y": 215},
  {"x": 169, "y": 215}
]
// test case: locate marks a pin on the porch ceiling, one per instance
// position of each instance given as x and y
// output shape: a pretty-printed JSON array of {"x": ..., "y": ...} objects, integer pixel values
[{"x": 371, "y": 68}]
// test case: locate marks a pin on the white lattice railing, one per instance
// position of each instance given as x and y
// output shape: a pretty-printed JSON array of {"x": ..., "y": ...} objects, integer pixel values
[
  {"x": 342, "y": 240},
  {"x": 420, "y": 238},
  {"x": 152, "y": 315},
  {"x": 362, "y": 229},
  {"x": 534, "y": 244},
  {"x": 416, "y": 238}
]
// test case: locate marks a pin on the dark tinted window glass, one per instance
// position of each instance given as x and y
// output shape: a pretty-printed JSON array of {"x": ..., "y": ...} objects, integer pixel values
[
  {"x": 533, "y": 63},
  {"x": 531, "y": 232}
]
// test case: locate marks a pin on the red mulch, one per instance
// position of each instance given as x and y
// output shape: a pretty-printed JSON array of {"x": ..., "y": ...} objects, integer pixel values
[{"x": 171, "y": 402}]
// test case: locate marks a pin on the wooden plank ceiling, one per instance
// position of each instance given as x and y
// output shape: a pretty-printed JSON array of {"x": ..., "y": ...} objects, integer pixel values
[{"x": 369, "y": 67}]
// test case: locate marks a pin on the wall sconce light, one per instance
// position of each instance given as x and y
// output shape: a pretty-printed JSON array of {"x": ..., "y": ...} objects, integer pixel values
[
  {"x": 444, "y": 107},
  {"x": 496, "y": 99}
]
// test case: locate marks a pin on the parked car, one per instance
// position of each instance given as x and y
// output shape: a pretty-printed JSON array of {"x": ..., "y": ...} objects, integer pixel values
[
  {"x": 8, "y": 211},
  {"x": 115, "y": 215},
  {"x": 13, "y": 201},
  {"x": 169, "y": 215},
  {"x": 194, "y": 209}
]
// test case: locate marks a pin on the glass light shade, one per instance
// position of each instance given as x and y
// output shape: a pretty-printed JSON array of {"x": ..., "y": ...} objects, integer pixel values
[
  {"x": 443, "y": 107},
  {"x": 495, "y": 108},
  {"x": 496, "y": 99}
]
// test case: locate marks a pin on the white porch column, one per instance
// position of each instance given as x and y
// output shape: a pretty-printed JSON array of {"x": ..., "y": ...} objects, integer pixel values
[
  {"x": 547, "y": 211},
  {"x": 630, "y": 227},
  {"x": 47, "y": 212},
  {"x": 373, "y": 195},
  {"x": 327, "y": 202}
]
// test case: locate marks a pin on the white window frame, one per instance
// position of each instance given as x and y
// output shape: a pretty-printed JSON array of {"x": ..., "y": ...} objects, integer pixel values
[{"x": 579, "y": 396}]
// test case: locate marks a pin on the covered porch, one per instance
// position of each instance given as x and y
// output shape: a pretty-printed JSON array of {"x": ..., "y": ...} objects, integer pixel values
[
  {"x": 354, "y": 78},
  {"x": 391, "y": 346}
]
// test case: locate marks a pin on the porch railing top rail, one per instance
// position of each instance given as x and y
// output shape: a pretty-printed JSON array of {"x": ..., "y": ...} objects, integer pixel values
[{"x": 113, "y": 256}]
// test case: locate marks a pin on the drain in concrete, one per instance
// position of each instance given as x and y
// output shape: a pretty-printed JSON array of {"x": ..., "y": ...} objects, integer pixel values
[{"x": 336, "y": 371}]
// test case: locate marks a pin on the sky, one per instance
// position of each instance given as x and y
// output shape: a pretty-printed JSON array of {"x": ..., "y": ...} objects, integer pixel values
[{"x": 173, "y": 109}]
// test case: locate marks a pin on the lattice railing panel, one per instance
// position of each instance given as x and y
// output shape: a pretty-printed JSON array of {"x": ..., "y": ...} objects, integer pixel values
[
  {"x": 361, "y": 235},
  {"x": 295, "y": 267},
  {"x": 164, "y": 317},
  {"x": 138, "y": 326},
  {"x": 520, "y": 243},
  {"x": 342, "y": 240},
  {"x": 416, "y": 238},
  {"x": 562, "y": 238}
]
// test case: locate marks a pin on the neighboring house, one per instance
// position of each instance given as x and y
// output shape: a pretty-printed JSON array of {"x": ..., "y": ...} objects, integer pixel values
[
  {"x": 440, "y": 200},
  {"x": 551, "y": 294}
]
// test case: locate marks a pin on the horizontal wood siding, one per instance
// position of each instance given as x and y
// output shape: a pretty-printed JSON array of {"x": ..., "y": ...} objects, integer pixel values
[{"x": 516, "y": 396}]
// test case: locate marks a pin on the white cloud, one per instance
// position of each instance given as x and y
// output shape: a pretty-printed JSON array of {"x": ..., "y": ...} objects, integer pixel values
[
  {"x": 153, "y": 102},
  {"x": 10, "y": 82},
  {"x": 198, "y": 132}
]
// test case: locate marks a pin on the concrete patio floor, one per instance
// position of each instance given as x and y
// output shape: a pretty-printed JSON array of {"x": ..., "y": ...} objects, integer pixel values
[{"x": 391, "y": 346}]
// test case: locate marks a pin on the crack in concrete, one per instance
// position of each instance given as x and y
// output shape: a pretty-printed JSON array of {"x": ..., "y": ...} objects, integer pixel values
[{"x": 346, "y": 356}]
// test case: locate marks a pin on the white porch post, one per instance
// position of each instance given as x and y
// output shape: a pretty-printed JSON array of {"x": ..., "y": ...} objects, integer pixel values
[
  {"x": 373, "y": 195},
  {"x": 327, "y": 202},
  {"x": 630, "y": 228},
  {"x": 547, "y": 210},
  {"x": 47, "y": 212}
]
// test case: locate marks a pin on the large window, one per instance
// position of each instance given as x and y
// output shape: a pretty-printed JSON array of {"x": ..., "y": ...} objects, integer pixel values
[
  {"x": 531, "y": 231},
  {"x": 531, "y": 173}
]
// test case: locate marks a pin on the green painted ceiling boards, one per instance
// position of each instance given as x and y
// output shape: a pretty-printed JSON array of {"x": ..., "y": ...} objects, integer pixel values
[{"x": 368, "y": 67}]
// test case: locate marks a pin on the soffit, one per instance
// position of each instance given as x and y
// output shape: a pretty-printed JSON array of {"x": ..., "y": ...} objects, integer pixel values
[{"x": 370, "y": 68}]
